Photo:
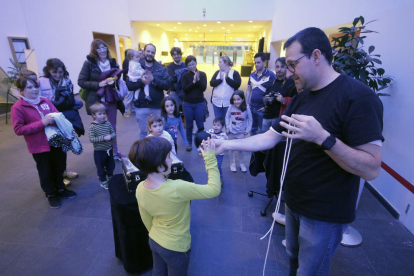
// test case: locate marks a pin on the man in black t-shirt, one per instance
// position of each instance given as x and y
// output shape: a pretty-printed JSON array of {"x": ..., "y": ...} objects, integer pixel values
[
  {"x": 282, "y": 91},
  {"x": 336, "y": 127},
  {"x": 175, "y": 70}
]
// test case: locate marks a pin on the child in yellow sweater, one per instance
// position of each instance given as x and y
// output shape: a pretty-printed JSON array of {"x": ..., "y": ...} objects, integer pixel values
[{"x": 164, "y": 204}]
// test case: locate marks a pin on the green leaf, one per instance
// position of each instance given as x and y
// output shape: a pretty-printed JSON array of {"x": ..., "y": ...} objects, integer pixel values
[
  {"x": 348, "y": 44},
  {"x": 356, "y": 20},
  {"x": 362, "y": 20},
  {"x": 381, "y": 71},
  {"x": 360, "y": 40},
  {"x": 376, "y": 60},
  {"x": 371, "y": 49}
]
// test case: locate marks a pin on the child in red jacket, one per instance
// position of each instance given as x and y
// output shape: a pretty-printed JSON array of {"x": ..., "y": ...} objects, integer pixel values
[{"x": 30, "y": 117}]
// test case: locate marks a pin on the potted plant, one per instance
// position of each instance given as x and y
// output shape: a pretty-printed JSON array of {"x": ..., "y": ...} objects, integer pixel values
[
  {"x": 351, "y": 59},
  {"x": 13, "y": 74}
]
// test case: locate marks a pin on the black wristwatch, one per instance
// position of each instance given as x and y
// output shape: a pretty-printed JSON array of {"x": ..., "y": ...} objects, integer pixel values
[{"x": 328, "y": 143}]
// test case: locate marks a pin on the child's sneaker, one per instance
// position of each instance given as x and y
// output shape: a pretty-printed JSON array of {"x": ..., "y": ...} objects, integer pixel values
[
  {"x": 243, "y": 168},
  {"x": 233, "y": 168},
  {"x": 148, "y": 98},
  {"x": 69, "y": 174},
  {"x": 104, "y": 185},
  {"x": 64, "y": 193},
  {"x": 54, "y": 202},
  {"x": 66, "y": 182},
  {"x": 126, "y": 115},
  {"x": 118, "y": 156}
]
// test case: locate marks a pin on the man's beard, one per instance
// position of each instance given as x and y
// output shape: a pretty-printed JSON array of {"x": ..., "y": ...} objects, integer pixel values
[{"x": 149, "y": 59}]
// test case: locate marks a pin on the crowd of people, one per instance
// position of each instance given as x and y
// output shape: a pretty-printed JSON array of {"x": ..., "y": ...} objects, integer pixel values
[{"x": 336, "y": 124}]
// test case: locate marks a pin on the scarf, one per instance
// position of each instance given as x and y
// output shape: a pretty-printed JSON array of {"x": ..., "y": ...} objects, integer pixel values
[
  {"x": 104, "y": 66},
  {"x": 31, "y": 101}
]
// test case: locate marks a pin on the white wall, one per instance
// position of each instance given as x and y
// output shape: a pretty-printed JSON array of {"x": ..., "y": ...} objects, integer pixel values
[
  {"x": 185, "y": 10},
  {"x": 163, "y": 40},
  {"x": 12, "y": 23},
  {"x": 63, "y": 29},
  {"x": 393, "y": 44}
]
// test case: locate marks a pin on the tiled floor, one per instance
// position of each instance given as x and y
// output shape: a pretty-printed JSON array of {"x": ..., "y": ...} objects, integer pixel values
[{"x": 77, "y": 239}]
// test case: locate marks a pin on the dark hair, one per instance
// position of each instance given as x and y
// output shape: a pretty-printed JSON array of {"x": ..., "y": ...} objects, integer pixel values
[
  {"x": 240, "y": 93},
  {"x": 261, "y": 55},
  {"x": 164, "y": 113},
  {"x": 95, "y": 45},
  {"x": 153, "y": 118},
  {"x": 220, "y": 120},
  {"x": 27, "y": 73},
  {"x": 176, "y": 49},
  {"x": 21, "y": 83},
  {"x": 98, "y": 107},
  {"x": 145, "y": 47},
  {"x": 126, "y": 52},
  {"x": 149, "y": 154},
  {"x": 190, "y": 59},
  {"x": 281, "y": 60},
  {"x": 310, "y": 39},
  {"x": 54, "y": 64}
]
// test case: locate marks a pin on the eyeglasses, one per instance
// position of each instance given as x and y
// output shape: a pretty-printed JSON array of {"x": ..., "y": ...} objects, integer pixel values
[
  {"x": 291, "y": 66},
  {"x": 101, "y": 50}
]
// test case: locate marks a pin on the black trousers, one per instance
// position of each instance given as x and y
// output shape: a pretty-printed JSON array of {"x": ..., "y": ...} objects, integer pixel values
[
  {"x": 50, "y": 166},
  {"x": 105, "y": 163}
]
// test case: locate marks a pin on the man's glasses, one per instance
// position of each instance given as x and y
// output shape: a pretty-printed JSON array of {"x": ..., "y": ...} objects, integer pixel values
[
  {"x": 101, "y": 50},
  {"x": 291, "y": 66}
]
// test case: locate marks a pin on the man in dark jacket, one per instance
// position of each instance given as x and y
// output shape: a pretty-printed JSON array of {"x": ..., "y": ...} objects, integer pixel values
[
  {"x": 157, "y": 78},
  {"x": 174, "y": 68}
]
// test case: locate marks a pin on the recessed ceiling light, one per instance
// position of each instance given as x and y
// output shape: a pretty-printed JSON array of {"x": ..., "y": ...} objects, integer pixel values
[
  {"x": 198, "y": 27},
  {"x": 196, "y": 31},
  {"x": 211, "y": 43},
  {"x": 157, "y": 24},
  {"x": 254, "y": 26},
  {"x": 250, "y": 21},
  {"x": 224, "y": 34},
  {"x": 175, "y": 27},
  {"x": 186, "y": 34},
  {"x": 211, "y": 30},
  {"x": 249, "y": 29},
  {"x": 218, "y": 22},
  {"x": 186, "y": 38},
  {"x": 231, "y": 25},
  {"x": 231, "y": 38},
  {"x": 223, "y": 28},
  {"x": 199, "y": 35},
  {"x": 196, "y": 44},
  {"x": 190, "y": 29},
  {"x": 249, "y": 35},
  {"x": 178, "y": 22},
  {"x": 204, "y": 25}
]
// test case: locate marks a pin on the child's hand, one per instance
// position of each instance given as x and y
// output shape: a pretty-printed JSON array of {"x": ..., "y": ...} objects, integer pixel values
[
  {"x": 108, "y": 138},
  {"x": 206, "y": 146},
  {"x": 48, "y": 120},
  {"x": 103, "y": 83},
  {"x": 213, "y": 136}
]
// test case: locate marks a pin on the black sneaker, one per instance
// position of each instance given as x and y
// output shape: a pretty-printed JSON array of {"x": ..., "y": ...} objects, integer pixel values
[
  {"x": 54, "y": 202},
  {"x": 67, "y": 193}
]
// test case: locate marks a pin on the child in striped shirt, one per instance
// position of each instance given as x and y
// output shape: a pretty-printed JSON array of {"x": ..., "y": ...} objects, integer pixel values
[{"x": 101, "y": 135}]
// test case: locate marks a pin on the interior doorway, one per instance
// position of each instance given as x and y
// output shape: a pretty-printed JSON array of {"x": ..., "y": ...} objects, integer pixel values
[
  {"x": 124, "y": 44},
  {"x": 110, "y": 41}
]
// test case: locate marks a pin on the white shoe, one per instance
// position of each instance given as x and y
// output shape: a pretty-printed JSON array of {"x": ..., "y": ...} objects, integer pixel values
[
  {"x": 66, "y": 182},
  {"x": 284, "y": 243},
  {"x": 233, "y": 168},
  {"x": 69, "y": 175},
  {"x": 243, "y": 168},
  {"x": 279, "y": 218}
]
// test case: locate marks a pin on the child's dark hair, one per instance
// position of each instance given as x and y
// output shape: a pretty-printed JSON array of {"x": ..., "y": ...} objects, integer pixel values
[
  {"x": 153, "y": 118},
  {"x": 164, "y": 113},
  {"x": 27, "y": 73},
  {"x": 21, "y": 83},
  {"x": 149, "y": 154},
  {"x": 220, "y": 120},
  {"x": 240, "y": 93},
  {"x": 98, "y": 107}
]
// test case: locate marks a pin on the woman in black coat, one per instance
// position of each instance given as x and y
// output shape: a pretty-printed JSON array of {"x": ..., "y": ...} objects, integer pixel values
[{"x": 98, "y": 61}]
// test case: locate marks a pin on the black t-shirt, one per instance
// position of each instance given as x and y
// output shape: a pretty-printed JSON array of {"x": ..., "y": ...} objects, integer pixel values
[
  {"x": 315, "y": 185},
  {"x": 286, "y": 88},
  {"x": 171, "y": 72}
]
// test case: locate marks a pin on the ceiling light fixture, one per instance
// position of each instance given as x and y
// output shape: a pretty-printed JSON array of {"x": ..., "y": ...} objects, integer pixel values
[
  {"x": 190, "y": 30},
  {"x": 250, "y": 21},
  {"x": 211, "y": 30},
  {"x": 186, "y": 34},
  {"x": 254, "y": 26},
  {"x": 218, "y": 22},
  {"x": 223, "y": 28},
  {"x": 157, "y": 24},
  {"x": 198, "y": 27},
  {"x": 231, "y": 25},
  {"x": 178, "y": 23},
  {"x": 196, "y": 31},
  {"x": 204, "y": 25}
]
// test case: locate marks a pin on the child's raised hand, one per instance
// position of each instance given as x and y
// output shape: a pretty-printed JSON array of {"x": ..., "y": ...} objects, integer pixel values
[
  {"x": 108, "y": 138},
  {"x": 206, "y": 145}
]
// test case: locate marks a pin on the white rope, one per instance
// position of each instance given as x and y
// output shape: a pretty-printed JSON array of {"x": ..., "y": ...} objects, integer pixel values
[{"x": 282, "y": 179}]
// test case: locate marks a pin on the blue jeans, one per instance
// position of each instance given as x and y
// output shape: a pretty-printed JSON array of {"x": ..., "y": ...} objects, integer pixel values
[
  {"x": 168, "y": 262},
  {"x": 193, "y": 111},
  {"x": 267, "y": 123},
  {"x": 310, "y": 243},
  {"x": 142, "y": 115},
  {"x": 220, "y": 111},
  {"x": 128, "y": 101},
  {"x": 219, "y": 162},
  {"x": 257, "y": 117}
]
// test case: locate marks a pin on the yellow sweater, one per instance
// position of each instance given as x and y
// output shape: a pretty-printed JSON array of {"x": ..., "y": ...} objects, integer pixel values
[{"x": 165, "y": 211}]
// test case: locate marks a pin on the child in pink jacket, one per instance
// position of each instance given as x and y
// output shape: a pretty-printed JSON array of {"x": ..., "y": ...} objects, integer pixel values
[{"x": 30, "y": 117}]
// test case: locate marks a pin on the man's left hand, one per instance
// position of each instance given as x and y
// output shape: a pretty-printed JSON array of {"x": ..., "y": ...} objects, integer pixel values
[{"x": 304, "y": 127}]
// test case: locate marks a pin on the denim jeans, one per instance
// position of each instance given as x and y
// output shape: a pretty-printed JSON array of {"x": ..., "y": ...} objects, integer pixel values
[
  {"x": 219, "y": 162},
  {"x": 310, "y": 243},
  {"x": 220, "y": 111},
  {"x": 257, "y": 117},
  {"x": 193, "y": 111},
  {"x": 128, "y": 101},
  {"x": 142, "y": 115},
  {"x": 267, "y": 123},
  {"x": 168, "y": 262}
]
